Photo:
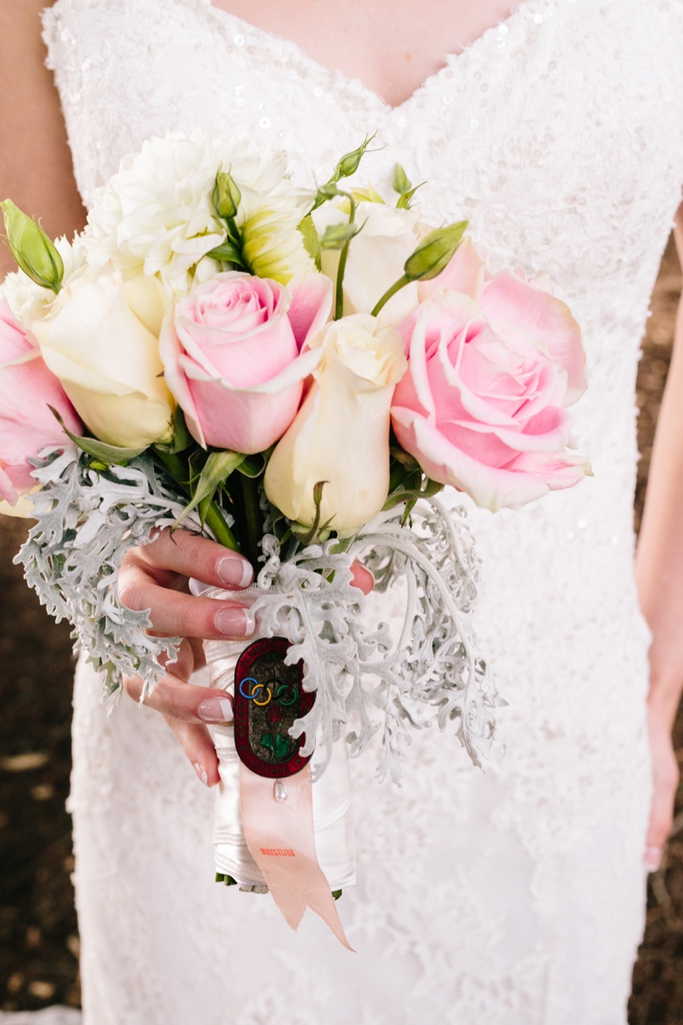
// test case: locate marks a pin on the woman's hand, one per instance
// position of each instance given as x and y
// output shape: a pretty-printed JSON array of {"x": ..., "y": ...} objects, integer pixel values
[{"x": 156, "y": 577}]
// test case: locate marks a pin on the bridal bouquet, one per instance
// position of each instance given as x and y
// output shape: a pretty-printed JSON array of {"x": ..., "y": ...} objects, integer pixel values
[{"x": 297, "y": 374}]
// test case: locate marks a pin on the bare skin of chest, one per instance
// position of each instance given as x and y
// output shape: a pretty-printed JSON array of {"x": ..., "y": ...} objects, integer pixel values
[{"x": 392, "y": 46}]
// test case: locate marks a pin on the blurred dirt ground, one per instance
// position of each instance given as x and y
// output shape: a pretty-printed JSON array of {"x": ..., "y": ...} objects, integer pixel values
[{"x": 38, "y": 931}]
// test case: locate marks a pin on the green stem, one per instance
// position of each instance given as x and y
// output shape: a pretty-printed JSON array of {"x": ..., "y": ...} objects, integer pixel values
[
  {"x": 214, "y": 517},
  {"x": 341, "y": 269},
  {"x": 396, "y": 287},
  {"x": 252, "y": 514},
  {"x": 216, "y": 523},
  {"x": 175, "y": 466}
]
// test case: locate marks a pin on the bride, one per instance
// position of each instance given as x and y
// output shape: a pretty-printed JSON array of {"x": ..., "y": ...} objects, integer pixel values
[{"x": 512, "y": 897}]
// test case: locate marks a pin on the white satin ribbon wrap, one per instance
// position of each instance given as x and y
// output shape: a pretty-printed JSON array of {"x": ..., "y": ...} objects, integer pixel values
[{"x": 332, "y": 793}]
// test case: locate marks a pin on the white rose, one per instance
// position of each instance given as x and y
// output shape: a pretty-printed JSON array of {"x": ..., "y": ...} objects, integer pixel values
[
  {"x": 341, "y": 433},
  {"x": 157, "y": 214},
  {"x": 376, "y": 257},
  {"x": 106, "y": 359}
]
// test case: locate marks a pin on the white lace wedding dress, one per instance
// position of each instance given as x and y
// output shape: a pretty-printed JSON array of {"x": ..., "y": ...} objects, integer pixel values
[{"x": 510, "y": 897}]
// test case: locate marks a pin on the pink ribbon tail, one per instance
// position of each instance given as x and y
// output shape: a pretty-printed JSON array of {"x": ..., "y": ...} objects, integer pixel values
[{"x": 280, "y": 836}]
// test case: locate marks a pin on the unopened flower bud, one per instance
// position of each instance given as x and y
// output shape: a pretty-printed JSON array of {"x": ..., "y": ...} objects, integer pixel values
[
  {"x": 33, "y": 251},
  {"x": 337, "y": 235},
  {"x": 402, "y": 182},
  {"x": 350, "y": 162},
  {"x": 434, "y": 252},
  {"x": 227, "y": 195}
]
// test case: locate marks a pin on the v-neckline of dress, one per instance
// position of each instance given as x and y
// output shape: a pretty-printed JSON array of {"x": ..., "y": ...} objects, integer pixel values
[{"x": 451, "y": 60}]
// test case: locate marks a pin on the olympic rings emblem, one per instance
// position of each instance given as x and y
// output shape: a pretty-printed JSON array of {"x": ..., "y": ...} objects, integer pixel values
[{"x": 286, "y": 694}]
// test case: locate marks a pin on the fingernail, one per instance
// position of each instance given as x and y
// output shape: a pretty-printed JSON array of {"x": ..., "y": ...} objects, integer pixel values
[
  {"x": 236, "y": 622},
  {"x": 653, "y": 858},
  {"x": 235, "y": 572},
  {"x": 201, "y": 772},
  {"x": 216, "y": 709}
]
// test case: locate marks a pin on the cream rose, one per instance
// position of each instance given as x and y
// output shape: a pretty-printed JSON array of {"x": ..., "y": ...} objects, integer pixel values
[
  {"x": 377, "y": 255},
  {"x": 341, "y": 433},
  {"x": 107, "y": 359}
]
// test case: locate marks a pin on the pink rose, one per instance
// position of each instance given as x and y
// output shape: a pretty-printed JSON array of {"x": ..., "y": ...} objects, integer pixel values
[
  {"x": 492, "y": 368},
  {"x": 232, "y": 352},
  {"x": 27, "y": 389}
]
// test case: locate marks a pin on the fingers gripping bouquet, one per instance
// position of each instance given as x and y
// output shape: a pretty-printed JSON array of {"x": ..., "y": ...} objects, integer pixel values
[{"x": 297, "y": 375}]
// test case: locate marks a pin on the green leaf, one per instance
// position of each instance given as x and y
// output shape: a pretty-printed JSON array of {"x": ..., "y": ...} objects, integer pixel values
[
  {"x": 228, "y": 252},
  {"x": 106, "y": 454},
  {"x": 403, "y": 479},
  {"x": 403, "y": 457},
  {"x": 182, "y": 439},
  {"x": 252, "y": 466},
  {"x": 215, "y": 471},
  {"x": 311, "y": 239},
  {"x": 411, "y": 495},
  {"x": 402, "y": 183}
]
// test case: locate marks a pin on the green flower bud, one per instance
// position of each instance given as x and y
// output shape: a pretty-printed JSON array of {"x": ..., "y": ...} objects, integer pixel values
[
  {"x": 350, "y": 162},
  {"x": 402, "y": 182},
  {"x": 337, "y": 235},
  {"x": 434, "y": 252},
  {"x": 227, "y": 195},
  {"x": 31, "y": 248}
]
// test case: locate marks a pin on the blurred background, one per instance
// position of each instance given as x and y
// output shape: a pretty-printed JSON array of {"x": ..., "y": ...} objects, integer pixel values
[{"x": 38, "y": 931}]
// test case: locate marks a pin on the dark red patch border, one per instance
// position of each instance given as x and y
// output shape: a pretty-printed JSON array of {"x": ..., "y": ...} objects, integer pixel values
[{"x": 266, "y": 646}]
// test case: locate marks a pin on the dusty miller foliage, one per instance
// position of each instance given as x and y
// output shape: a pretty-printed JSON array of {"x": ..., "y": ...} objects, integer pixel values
[
  {"x": 365, "y": 679},
  {"x": 86, "y": 522}
]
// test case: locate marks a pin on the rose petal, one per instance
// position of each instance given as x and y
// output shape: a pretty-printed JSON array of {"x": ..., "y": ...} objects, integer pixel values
[
  {"x": 490, "y": 487},
  {"x": 310, "y": 308},
  {"x": 540, "y": 314}
]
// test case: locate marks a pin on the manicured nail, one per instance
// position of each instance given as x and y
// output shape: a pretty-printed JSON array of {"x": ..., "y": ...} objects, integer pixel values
[
  {"x": 215, "y": 709},
  {"x": 201, "y": 772},
  {"x": 235, "y": 572},
  {"x": 236, "y": 622},
  {"x": 653, "y": 858}
]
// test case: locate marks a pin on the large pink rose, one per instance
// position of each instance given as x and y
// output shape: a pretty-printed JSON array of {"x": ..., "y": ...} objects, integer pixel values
[
  {"x": 494, "y": 361},
  {"x": 27, "y": 390},
  {"x": 232, "y": 352}
]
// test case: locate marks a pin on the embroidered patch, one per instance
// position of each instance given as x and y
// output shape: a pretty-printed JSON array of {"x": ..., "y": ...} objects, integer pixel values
[{"x": 268, "y": 698}]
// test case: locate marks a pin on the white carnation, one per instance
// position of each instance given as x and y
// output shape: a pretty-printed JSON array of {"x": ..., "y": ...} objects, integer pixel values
[{"x": 157, "y": 214}]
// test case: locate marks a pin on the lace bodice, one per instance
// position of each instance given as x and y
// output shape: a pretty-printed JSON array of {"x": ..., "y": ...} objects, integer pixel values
[{"x": 514, "y": 897}]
